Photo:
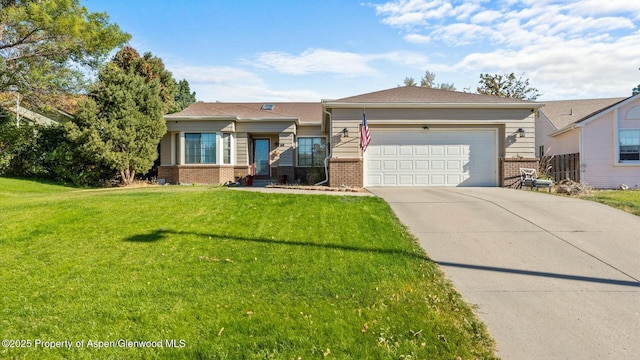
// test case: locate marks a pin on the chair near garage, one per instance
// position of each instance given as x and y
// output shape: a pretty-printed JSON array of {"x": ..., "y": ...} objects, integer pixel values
[{"x": 529, "y": 178}]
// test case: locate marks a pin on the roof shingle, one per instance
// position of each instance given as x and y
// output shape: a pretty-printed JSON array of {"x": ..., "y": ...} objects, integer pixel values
[
  {"x": 418, "y": 94},
  {"x": 565, "y": 112},
  {"x": 304, "y": 111}
]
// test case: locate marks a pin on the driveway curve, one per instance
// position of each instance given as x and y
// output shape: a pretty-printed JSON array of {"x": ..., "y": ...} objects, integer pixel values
[{"x": 553, "y": 277}]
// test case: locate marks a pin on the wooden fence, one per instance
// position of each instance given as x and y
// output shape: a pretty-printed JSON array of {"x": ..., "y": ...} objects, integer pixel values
[{"x": 560, "y": 167}]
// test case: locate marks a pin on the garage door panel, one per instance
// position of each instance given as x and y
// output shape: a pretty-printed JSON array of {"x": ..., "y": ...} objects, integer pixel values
[
  {"x": 406, "y": 150},
  {"x": 405, "y": 165},
  {"x": 421, "y": 150},
  {"x": 453, "y": 150},
  {"x": 432, "y": 158},
  {"x": 405, "y": 180},
  {"x": 421, "y": 180},
  {"x": 437, "y": 150},
  {"x": 454, "y": 165},
  {"x": 390, "y": 180},
  {"x": 390, "y": 150},
  {"x": 421, "y": 165},
  {"x": 374, "y": 151},
  {"x": 437, "y": 165},
  {"x": 389, "y": 165},
  {"x": 374, "y": 165},
  {"x": 374, "y": 180},
  {"x": 437, "y": 180}
]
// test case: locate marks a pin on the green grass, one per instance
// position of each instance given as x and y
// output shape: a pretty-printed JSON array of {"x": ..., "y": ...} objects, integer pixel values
[
  {"x": 233, "y": 274},
  {"x": 628, "y": 200}
]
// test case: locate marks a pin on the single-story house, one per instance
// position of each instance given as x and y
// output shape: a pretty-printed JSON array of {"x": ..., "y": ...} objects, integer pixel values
[
  {"x": 419, "y": 137},
  {"x": 603, "y": 133}
]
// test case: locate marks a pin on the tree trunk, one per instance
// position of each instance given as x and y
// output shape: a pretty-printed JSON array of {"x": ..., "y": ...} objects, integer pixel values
[{"x": 127, "y": 176}]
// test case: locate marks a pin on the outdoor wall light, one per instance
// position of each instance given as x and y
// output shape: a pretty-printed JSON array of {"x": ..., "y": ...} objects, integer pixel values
[
  {"x": 345, "y": 132},
  {"x": 521, "y": 132}
]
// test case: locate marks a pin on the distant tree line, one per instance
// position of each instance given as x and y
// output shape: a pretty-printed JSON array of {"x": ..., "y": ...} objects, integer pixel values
[{"x": 505, "y": 85}]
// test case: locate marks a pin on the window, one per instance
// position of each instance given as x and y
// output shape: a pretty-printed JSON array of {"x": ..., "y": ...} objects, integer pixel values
[
  {"x": 311, "y": 151},
  {"x": 629, "y": 145},
  {"x": 200, "y": 148},
  {"x": 226, "y": 148}
]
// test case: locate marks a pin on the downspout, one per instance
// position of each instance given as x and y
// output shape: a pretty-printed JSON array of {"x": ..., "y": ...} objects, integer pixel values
[{"x": 326, "y": 159}]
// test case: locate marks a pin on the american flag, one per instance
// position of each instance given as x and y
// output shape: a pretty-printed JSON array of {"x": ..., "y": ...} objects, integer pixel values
[{"x": 365, "y": 137}]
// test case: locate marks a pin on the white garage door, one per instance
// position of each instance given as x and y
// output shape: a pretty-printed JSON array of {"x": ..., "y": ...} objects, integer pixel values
[{"x": 431, "y": 158}]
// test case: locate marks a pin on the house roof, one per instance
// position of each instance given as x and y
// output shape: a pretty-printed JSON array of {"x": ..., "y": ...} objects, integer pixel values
[
  {"x": 566, "y": 112},
  {"x": 423, "y": 95},
  {"x": 305, "y": 112}
]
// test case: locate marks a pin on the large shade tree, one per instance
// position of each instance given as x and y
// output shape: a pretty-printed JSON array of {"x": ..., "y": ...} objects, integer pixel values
[
  {"x": 121, "y": 122},
  {"x": 47, "y": 45},
  {"x": 507, "y": 85}
]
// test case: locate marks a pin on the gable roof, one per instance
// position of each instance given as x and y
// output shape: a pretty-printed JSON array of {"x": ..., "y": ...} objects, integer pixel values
[
  {"x": 414, "y": 95},
  {"x": 566, "y": 112},
  {"x": 305, "y": 112}
]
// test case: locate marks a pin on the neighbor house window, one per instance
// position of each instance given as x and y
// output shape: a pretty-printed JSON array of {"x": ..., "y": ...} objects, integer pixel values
[
  {"x": 200, "y": 148},
  {"x": 629, "y": 145},
  {"x": 311, "y": 151}
]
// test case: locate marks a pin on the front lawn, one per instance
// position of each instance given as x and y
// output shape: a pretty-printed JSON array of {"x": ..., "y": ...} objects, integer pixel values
[
  {"x": 220, "y": 274},
  {"x": 627, "y": 200}
]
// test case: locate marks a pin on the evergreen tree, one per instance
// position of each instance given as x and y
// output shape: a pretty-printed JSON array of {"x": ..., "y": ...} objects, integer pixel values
[
  {"x": 151, "y": 68},
  {"x": 184, "y": 97},
  {"x": 121, "y": 122}
]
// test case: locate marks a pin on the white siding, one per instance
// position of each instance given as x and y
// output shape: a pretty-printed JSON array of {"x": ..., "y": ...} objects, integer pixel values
[{"x": 511, "y": 145}]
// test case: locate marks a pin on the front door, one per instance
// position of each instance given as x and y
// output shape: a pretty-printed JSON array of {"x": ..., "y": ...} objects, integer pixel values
[{"x": 261, "y": 157}]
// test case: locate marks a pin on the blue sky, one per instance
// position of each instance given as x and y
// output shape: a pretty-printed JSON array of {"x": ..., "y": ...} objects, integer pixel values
[{"x": 307, "y": 50}]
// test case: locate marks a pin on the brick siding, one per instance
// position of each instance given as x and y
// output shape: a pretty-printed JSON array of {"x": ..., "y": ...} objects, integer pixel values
[
  {"x": 345, "y": 172},
  {"x": 510, "y": 169},
  {"x": 199, "y": 174}
]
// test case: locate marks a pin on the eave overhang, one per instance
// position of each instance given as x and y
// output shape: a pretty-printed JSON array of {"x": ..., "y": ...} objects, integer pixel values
[{"x": 395, "y": 105}]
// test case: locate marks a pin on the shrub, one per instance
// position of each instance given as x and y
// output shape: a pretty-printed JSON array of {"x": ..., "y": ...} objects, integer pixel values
[{"x": 570, "y": 187}]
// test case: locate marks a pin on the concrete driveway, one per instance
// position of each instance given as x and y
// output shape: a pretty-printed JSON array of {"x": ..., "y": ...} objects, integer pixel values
[{"x": 553, "y": 277}]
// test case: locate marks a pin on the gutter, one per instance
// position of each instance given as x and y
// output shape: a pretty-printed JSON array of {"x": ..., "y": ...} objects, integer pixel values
[
  {"x": 395, "y": 105},
  {"x": 326, "y": 159},
  {"x": 565, "y": 129}
]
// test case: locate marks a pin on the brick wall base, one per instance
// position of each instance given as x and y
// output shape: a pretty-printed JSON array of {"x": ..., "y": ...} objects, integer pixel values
[
  {"x": 510, "y": 170},
  {"x": 345, "y": 172},
  {"x": 199, "y": 174}
]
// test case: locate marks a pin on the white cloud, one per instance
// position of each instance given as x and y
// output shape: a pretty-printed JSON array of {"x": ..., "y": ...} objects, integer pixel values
[
  {"x": 403, "y": 58},
  {"x": 601, "y": 7},
  {"x": 315, "y": 61},
  {"x": 417, "y": 38},
  {"x": 226, "y": 83},
  {"x": 486, "y": 16},
  {"x": 413, "y": 12},
  {"x": 568, "y": 48},
  {"x": 223, "y": 75},
  {"x": 575, "y": 68},
  {"x": 322, "y": 61}
]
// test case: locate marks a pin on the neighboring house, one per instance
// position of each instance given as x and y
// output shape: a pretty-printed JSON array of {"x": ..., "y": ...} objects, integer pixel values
[
  {"x": 605, "y": 133},
  {"x": 24, "y": 114},
  {"x": 419, "y": 137}
]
